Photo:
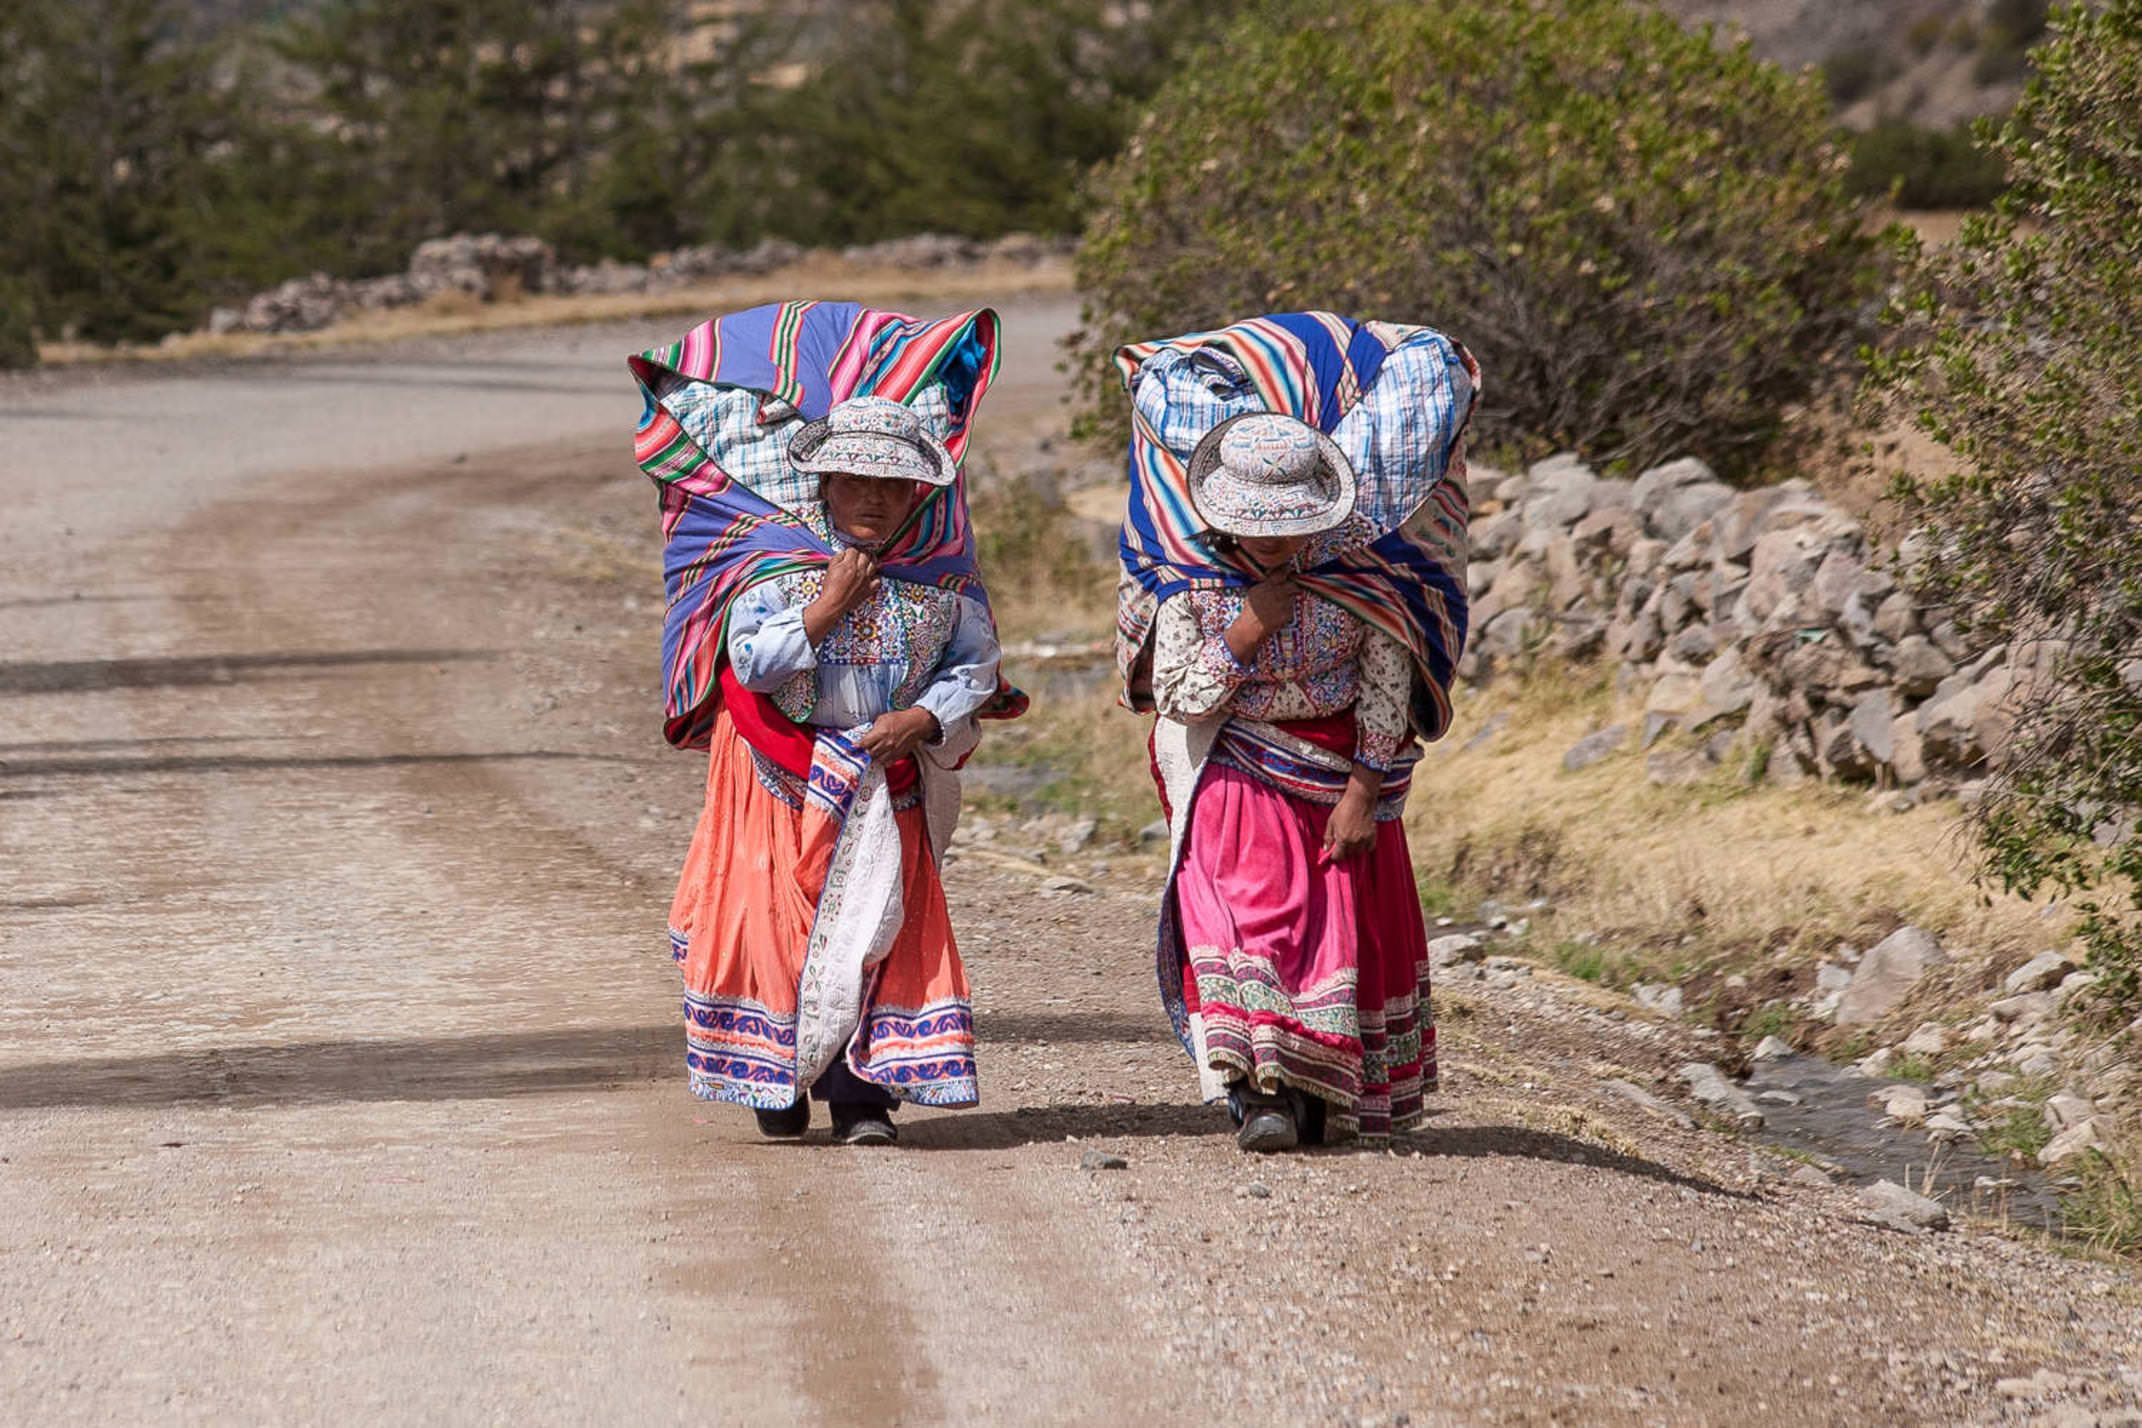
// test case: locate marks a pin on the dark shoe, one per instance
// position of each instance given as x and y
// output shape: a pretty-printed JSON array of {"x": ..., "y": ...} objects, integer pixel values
[
  {"x": 785, "y": 1124},
  {"x": 1267, "y": 1124},
  {"x": 863, "y": 1125}
]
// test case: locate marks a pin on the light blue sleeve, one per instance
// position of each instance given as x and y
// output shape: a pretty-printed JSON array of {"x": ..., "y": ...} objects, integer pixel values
[
  {"x": 967, "y": 675},
  {"x": 767, "y": 644}
]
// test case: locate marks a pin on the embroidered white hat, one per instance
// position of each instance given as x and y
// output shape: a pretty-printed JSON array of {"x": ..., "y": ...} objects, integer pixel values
[
  {"x": 1263, "y": 474},
  {"x": 872, "y": 436}
]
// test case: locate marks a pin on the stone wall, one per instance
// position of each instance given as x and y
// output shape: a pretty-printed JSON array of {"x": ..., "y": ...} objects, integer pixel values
[
  {"x": 1763, "y": 622},
  {"x": 491, "y": 267}
]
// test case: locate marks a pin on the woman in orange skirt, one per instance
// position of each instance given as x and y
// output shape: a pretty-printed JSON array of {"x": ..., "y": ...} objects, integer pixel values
[{"x": 812, "y": 929}]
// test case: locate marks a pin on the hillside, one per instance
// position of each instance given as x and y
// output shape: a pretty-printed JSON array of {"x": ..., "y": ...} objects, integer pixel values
[{"x": 1931, "y": 62}]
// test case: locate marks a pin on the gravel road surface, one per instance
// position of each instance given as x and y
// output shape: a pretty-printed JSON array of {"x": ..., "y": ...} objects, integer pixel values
[{"x": 340, "y": 1074}]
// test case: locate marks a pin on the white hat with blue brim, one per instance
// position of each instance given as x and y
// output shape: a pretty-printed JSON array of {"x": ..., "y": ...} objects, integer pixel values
[{"x": 872, "y": 436}]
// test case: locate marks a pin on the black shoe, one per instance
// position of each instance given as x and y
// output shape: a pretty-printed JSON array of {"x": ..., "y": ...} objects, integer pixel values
[
  {"x": 787, "y": 1124},
  {"x": 863, "y": 1125},
  {"x": 1267, "y": 1124}
]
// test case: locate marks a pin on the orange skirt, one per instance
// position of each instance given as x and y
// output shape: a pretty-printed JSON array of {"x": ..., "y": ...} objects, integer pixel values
[{"x": 741, "y": 925}]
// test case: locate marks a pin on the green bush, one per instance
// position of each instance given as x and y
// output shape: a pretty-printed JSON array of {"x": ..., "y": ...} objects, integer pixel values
[
  {"x": 1926, "y": 168},
  {"x": 2016, "y": 348},
  {"x": 18, "y": 338},
  {"x": 1645, "y": 238}
]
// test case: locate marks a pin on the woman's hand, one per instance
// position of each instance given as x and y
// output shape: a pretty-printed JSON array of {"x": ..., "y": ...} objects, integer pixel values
[
  {"x": 1269, "y": 606},
  {"x": 1351, "y": 829},
  {"x": 892, "y": 737},
  {"x": 851, "y": 579}
]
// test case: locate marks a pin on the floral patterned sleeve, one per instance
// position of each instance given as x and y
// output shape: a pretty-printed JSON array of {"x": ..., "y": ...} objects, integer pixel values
[
  {"x": 1194, "y": 675},
  {"x": 1380, "y": 714}
]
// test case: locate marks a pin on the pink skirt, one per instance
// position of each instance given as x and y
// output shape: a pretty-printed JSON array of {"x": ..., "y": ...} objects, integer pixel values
[{"x": 1306, "y": 974}]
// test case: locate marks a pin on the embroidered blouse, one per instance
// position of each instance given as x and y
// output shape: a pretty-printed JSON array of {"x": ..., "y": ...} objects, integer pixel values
[
  {"x": 1319, "y": 663},
  {"x": 907, "y": 646}
]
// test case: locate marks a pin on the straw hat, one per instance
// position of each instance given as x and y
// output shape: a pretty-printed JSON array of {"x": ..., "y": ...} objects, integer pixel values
[
  {"x": 1262, "y": 474},
  {"x": 872, "y": 436}
]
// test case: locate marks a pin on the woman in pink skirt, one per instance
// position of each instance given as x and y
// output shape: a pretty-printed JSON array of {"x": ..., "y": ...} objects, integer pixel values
[
  {"x": 1292, "y": 609},
  {"x": 1294, "y": 899}
]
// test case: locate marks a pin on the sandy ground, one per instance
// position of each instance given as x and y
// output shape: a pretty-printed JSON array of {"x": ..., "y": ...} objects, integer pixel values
[{"x": 340, "y": 1074}]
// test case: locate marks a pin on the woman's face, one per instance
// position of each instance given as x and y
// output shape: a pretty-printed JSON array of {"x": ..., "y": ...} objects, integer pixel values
[
  {"x": 1271, "y": 552},
  {"x": 868, "y": 509}
]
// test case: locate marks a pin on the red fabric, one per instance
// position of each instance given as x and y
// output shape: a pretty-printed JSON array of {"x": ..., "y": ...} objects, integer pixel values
[{"x": 779, "y": 738}]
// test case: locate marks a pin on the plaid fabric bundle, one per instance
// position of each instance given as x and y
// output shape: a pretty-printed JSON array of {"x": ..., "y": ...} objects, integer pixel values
[
  {"x": 1396, "y": 400},
  {"x": 721, "y": 407}
]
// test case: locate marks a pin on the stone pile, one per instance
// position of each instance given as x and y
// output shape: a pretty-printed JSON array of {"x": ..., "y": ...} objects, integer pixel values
[
  {"x": 492, "y": 267},
  {"x": 1764, "y": 622}
]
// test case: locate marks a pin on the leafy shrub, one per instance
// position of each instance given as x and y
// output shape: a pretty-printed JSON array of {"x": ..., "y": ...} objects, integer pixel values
[
  {"x": 18, "y": 339},
  {"x": 2016, "y": 348},
  {"x": 1646, "y": 239},
  {"x": 1926, "y": 168}
]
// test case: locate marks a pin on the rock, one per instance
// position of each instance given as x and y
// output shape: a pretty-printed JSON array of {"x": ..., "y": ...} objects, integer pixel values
[
  {"x": 1493, "y": 537},
  {"x": 1695, "y": 644},
  {"x": 1889, "y": 1203},
  {"x": 1876, "y": 1063},
  {"x": 1077, "y": 835},
  {"x": 1064, "y": 883},
  {"x": 1907, "y": 756},
  {"x": 1809, "y": 1176},
  {"x": 1102, "y": 1160},
  {"x": 1557, "y": 508},
  {"x": 1886, "y": 975},
  {"x": 2041, "y": 973},
  {"x": 2076, "y": 1140},
  {"x": 2067, "y": 1111},
  {"x": 2074, "y": 985},
  {"x": 1873, "y": 727},
  {"x": 1931, "y": 1039},
  {"x": 1781, "y": 568},
  {"x": 1674, "y": 694},
  {"x": 1727, "y": 687},
  {"x": 1447, "y": 952},
  {"x": 1480, "y": 577},
  {"x": 1709, "y": 1086},
  {"x": 1505, "y": 634},
  {"x": 1838, "y": 580},
  {"x": 1594, "y": 747},
  {"x": 1772, "y": 1048},
  {"x": 1665, "y": 1000},
  {"x": 1918, "y": 666},
  {"x": 2030, "y": 1007},
  {"x": 1675, "y": 498},
  {"x": 1638, "y": 1096},
  {"x": 1253, "y": 1190},
  {"x": 1655, "y": 727},
  {"x": 1903, "y": 1105},
  {"x": 1155, "y": 832},
  {"x": 1996, "y": 1083},
  {"x": 1949, "y": 720},
  {"x": 2037, "y": 1062},
  {"x": 1607, "y": 531},
  {"x": 1943, "y": 1126}
]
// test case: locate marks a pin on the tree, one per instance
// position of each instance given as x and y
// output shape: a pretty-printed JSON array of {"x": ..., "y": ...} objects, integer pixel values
[
  {"x": 1644, "y": 237},
  {"x": 2015, "y": 347},
  {"x": 960, "y": 116},
  {"x": 111, "y": 122}
]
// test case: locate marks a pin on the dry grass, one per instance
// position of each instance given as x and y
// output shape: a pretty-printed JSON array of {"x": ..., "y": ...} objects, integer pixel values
[
  {"x": 452, "y": 314},
  {"x": 1720, "y": 874}
]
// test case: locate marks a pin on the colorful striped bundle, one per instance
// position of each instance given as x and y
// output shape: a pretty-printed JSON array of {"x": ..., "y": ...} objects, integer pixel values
[
  {"x": 1396, "y": 399},
  {"x": 720, "y": 536}
]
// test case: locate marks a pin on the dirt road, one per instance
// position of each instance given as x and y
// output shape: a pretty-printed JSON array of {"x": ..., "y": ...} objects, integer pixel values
[{"x": 340, "y": 1073}]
